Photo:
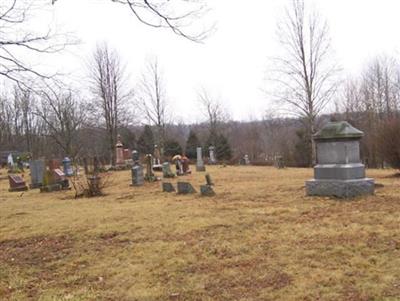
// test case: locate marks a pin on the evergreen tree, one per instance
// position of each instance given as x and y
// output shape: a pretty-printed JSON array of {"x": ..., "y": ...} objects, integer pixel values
[
  {"x": 172, "y": 148},
  {"x": 191, "y": 145},
  {"x": 222, "y": 148},
  {"x": 146, "y": 141}
]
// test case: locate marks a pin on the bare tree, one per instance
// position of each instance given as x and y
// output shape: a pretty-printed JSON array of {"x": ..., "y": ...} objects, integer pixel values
[
  {"x": 212, "y": 109},
  {"x": 18, "y": 42},
  {"x": 304, "y": 73},
  {"x": 109, "y": 86},
  {"x": 153, "y": 99},
  {"x": 63, "y": 116},
  {"x": 178, "y": 16}
]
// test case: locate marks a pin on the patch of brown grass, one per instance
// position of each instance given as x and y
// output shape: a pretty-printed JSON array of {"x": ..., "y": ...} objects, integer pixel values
[{"x": 260, "y": 238}]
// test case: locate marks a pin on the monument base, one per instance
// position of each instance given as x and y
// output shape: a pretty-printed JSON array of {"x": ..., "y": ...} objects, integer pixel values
[
  {"x": 18, "y": 189},
  {"x": 200, "y": 168},
  {"x": 340, "y": 188},
  {"x": 35, "y": 186}
]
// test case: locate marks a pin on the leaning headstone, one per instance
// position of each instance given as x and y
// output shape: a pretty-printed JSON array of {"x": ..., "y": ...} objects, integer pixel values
[
  {"x": 37, "y": 169},
  {"x": 185, "y": 188},
  {"x": 60, "y": 178},
  {"x": 208, "y": 180},
  {"x": 339, "y": 171},
  {"x": 17, "y": 183},
  {"x": 137, "y": 175},
  {"x": 200, "y": 163},
  {"x": 166, "y": 169},
  {"x": 168, "y": 187},
  {"x": 206, "y": 190}
]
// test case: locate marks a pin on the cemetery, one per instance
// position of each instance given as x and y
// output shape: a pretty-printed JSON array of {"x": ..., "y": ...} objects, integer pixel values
[
  {"x": 199, "y": 150},
  {"x": 250, "y": 231}
]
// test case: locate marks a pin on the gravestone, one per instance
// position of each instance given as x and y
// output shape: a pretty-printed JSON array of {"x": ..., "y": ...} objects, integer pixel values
[
  {"x": 119, "y": 152},
  {"x": 37, "y": 168},
  {"x": 54, "y": 164},
  {"x": 208, "y": 180},
  {"x": 127, "y": 154},
  {"x": 206, "y": 190},
  {"x": 54, "y": 180},
  {"x": 67, "y": 166},
  {"x": 185, "y": 165},
  {"x": 166, "y": 169},
  {"x": 168, "y": 187},
  {"x": 179, "y": 167},
  {"x": 135, "y": 157},
  {"x": 200, "y": 163},
  {"x": 213, "y": 159},
  {"x": 150, "y": 177},
  {"x": 339, "y": 171},
  {"x": 137, "y": 175},
  {"x": 17, "y": 183},
  {"x": 59, "y": 178},
  {"x": 185, "y": 188},
  {"x": 279, "y": 162}
]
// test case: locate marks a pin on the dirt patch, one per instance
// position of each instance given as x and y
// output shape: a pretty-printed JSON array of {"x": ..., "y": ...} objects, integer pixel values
[{"x": 35, "y": 251}]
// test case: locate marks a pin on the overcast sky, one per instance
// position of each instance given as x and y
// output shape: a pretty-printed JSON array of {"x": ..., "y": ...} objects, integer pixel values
[{"x": 232, "y": 62}]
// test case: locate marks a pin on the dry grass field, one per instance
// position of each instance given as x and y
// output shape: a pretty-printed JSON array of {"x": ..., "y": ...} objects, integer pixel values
[{"x": 260, "y": 238}]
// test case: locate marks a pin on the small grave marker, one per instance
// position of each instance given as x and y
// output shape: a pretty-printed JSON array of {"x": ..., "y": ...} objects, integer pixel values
[
  {"x": 17, "y": 183},
  {"x": 185, "y": 188},
  {"x": 206, "y": 190},
  {"x": 168, "y": 187}
]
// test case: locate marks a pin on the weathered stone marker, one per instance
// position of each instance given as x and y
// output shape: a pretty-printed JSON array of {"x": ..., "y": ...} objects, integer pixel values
[
  {"x": 185, "y": 188},
  {"x": 208, "y": 180},
  {"x": 119, "y": 152},
  {"x": 67, "y": 166},
  {"x": 339, "y": 171},
  {"x": 166, "y": 169},
  {"x": 137, "y": 175},
  {"x": 168, "y": 187},
  {"x": 212, "y": 160},
  {"x": 200, "y": 163},
  {"x": 16, "y": 183},
  {"x": 37, "y": 168},
  {"x": 206, "y": 190}
]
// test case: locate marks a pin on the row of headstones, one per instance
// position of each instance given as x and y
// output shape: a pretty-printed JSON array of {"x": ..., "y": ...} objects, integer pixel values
[
  {"x": 138, "y": 176},
  {"x": 187, "y": 188},
  {"x": 50, "y": 178}
]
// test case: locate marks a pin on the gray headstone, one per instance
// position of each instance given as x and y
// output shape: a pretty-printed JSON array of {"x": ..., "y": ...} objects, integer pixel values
[
  {"x": 135, "y": 157},
  {"x": 137, "y": 175},
  {"x": 200, "y": 163},
  {"x": 168, "y": 187},
  {"x": 166, "y": 169},
  {"x": 339, "y": 171},
  {"x": 37, "y": 169},
  {"x": 185, "y": 188},
  {"x": 211, "y": 150},
  {"x": 208, "y": 180},
  {"x": 206, "y": 190}
]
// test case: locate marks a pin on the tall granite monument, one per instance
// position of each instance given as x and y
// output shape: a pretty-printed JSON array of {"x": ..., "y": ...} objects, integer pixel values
[{"x": 339, "y": 171}]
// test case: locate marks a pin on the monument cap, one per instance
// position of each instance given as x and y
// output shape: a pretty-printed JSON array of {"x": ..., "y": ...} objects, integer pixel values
[{"x": 338, "y": 130}]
